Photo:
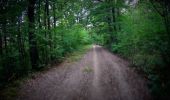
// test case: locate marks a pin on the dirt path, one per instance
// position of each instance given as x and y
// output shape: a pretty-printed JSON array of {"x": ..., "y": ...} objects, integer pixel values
[{"x": 99, "y": 75}]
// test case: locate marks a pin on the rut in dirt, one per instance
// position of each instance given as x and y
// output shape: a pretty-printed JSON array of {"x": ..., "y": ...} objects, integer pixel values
[{"x": 99, "y": 75}]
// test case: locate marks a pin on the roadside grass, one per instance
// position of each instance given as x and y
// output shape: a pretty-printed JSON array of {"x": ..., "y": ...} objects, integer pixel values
[
  {"x": 77, "y": 55},
  {"x": 10, "y": 91},
  {"x": 87, "y": 69}
]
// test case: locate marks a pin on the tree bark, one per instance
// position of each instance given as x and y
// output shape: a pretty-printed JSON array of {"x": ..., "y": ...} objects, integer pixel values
[
  {"x": 48, "y": 27},
  {"x": 32, "y": 38}
]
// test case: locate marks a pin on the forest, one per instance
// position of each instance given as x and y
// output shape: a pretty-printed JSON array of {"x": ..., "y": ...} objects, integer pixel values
[{"x": 35, "y": 34}]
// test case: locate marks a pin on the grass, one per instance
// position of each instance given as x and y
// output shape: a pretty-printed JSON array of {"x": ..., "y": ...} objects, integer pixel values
[
  {"x": 87, "y": 69},
  {"x": 10, "y": 91},
  {"x": 77, "y": 55}
]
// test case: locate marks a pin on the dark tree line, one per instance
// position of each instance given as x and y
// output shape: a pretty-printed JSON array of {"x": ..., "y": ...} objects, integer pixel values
[
  {"x": 32, "y": 39},
  {"x": 36, "y": 33}
]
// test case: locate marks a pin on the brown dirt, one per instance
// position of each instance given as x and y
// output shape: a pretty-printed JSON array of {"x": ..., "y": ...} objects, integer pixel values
[{"x": 99, "y": 75}]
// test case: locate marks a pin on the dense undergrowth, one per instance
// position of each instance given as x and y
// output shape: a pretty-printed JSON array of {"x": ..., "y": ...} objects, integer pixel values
[
  {"x": 144, "y": 41},
  {"x": 10, "y": 91},
  {"x": 64, "y": 42},
  {"x": 37, "y": 33}
]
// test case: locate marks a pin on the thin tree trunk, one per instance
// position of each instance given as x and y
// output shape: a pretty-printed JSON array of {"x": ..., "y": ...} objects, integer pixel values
[
  {"x": 20, "y": 43},
  {"x": 32, "y": 38},
  {"x": 1, "y": 49},
  {"x": 45, "y": 27},
  {"x": 48, "y": 16},
  {"x": 39, "y": 13},
  {"x": 54, "y": 15},
  {"x": 114, "y": 19},
  {"x": 110, "y": 29},
  {"x": 48, "y": 26},
  {"x": 5, "y": 36},
  {"x": 118, "y": 14}
]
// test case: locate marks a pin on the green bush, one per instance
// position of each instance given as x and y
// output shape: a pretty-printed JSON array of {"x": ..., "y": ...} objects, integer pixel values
[{"x": 144, "y": 41}]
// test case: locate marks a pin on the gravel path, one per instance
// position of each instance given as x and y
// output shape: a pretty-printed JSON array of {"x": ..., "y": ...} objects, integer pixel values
[{"x": 99, "y": 75}]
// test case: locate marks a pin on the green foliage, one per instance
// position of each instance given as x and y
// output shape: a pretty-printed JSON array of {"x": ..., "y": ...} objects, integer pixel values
[
  {"x": 57, "y": 32},
  {"x": 139, "y": 32},
  {"x": 68, "y": 40},
  {"x": 98, "y": 39},
  {"x": 144, "y": 41}
]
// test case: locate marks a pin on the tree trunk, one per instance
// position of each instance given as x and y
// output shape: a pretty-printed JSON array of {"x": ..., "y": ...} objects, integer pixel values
[
  {"x": 20, "y": 43},
  {"x": 118, "y": 14},
  {"x": 54, "y": 15},
  {"x": 45, "y": 35},
  {"x": 32, "y": 38},
  {"x": 39, "y": 12},
  {"x": 114, "y": 18},
  {"x": 48, "y": 14},
  {"x": 1, "y": 49},
  {"x": 5, "y": 35},
  {"x": 48, "y": 27}
]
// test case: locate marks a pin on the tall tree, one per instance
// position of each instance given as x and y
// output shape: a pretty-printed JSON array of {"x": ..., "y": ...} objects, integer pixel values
[{"x": 32, "y": 37}]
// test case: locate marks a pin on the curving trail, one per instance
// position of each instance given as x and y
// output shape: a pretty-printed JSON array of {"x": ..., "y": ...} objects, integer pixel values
[{"x": 99, "y": 75}]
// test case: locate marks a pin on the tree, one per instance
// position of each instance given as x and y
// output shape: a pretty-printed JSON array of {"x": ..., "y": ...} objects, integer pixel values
[
  {"x": 162, "y": 7},
  {"x": 32, "y": 37}
]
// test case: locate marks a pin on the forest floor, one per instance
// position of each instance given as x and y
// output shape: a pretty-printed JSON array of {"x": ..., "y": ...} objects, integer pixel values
[{"x": 98, "y": 75}]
